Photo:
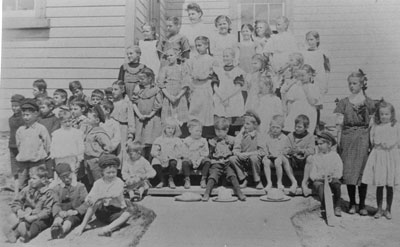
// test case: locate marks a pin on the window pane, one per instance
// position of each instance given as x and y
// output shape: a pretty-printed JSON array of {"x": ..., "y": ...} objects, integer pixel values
[
  {"x": 275, "y": 11},
  {"x": 26, "y": 4},
  {"x": 9, "y": 5},
  {"x": 247, "y": 14},
  {"x": 261, "y": 12}
]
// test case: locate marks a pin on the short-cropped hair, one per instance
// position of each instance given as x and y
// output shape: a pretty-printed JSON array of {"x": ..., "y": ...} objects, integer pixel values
[
  {"x": 303, "y": 119},
  {"x": 222, "y": 123}
]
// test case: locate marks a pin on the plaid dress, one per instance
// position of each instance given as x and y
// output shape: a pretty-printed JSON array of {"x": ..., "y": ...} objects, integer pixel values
[{"x": 354, "y": 141}]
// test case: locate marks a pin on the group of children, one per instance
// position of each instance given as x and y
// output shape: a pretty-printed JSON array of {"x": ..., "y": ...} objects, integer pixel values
[{"x": 178, "y": 114}]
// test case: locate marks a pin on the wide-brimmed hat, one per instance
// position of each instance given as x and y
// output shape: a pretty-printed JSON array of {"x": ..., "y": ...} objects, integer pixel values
[
  {"x": 188, "y": 197},
  {"x": 275, "y": 195},
  {"x": 224, "y": 195}
]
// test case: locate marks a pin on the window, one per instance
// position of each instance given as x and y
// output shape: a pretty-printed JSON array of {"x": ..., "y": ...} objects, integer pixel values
[
  {"x": 24, "y": 14},
  {"x": 252, "y": 10}
]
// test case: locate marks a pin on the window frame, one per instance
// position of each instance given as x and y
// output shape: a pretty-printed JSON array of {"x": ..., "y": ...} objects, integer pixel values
[{"x": 26, "y": 19}]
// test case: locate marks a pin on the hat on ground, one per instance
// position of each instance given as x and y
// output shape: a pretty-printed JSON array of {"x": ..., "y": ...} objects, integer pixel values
[
  {"x": 63, "y": 169},
  {"x": 17, "y": 98},
  {"x": 327, "y": 136},
  {"x": 108, "y": 160},
  {"x": 275, "y": 195},
  {"x": 224, "y": 195},
  {"x": 188, "y": 197},
  {"x": 29, "y": 104},
  {"x": 254, "y": 115}
]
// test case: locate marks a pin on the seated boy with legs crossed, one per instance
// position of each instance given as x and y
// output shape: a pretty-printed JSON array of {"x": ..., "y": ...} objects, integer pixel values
[
  {"x": 136, "y": 171},
  {"x": 248, "y": 150},
  {"x": 275, "y": 143},
  {"x": 327, "y": 163},
  {"x": 31, "y": 209},
  {"x": 106, "y": 198},
  {"x": 220, "y": 150},
  {"x": 70, "y": 207},
  {"x": 299, "y": 146}
]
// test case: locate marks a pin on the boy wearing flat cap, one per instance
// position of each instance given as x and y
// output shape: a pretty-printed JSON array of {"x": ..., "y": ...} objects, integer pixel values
[
  {"x": 70, "y": 208},
  {"x": 96, "y": 142},
  {"x": 14, "y": 122},
  {"x": 248, "y": 150},
  {"x": 326, "y": 163},
  {"x": 33, "y": 141},
  {"x": 106, "y": 199}
]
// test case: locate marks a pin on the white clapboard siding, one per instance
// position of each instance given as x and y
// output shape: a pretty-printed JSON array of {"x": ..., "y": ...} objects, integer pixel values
[
  {"x": 85, "y": 42},
  {"x": 356, "y": 34}
]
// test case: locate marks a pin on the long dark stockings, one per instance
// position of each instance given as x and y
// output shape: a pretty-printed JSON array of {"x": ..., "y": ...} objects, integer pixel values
[{"x": 362, "y": 193}]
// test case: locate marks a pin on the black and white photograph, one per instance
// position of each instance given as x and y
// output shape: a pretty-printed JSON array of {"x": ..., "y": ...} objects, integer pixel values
[{"x": 208, "y": 123}]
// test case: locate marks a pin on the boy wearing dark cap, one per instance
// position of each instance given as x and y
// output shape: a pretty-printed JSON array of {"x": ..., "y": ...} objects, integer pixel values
[
  {"x": 14, "y": 122},
  {"x": 33, "y": 141},
  {"x": 70, "y": 208},
  {"x": 248, "y": 150},
  {"x": 326, "y": 163},
  {"x": 96, "y": 141},
  {"x": 106, "y": 199}
]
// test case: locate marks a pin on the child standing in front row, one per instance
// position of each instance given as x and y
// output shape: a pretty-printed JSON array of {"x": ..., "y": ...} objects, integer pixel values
[
  {"x": 147, "y": 106},
  {"x": 201, "y": 70},
  {"x": 220, "y": 150},
  {"x": 382, "y": 168},
  {"x": 327, "y": 163},
  {"x": 166, "y": 153},
  {"x": 174, "y": 82},
  {"x": 275, "y": 144},
  {"x": 195, "y": 153},
  {"x": 106, "y": 199},
  {"x": 137, "y": 171},
  {"x": 33, "y": 142},
  {"x": 14, "y": 122}
]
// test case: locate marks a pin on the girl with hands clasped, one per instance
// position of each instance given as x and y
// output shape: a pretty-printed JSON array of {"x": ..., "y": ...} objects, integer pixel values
[{"x": 382, "y": 168}]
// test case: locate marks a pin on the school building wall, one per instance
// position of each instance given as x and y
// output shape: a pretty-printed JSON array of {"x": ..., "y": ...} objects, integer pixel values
[{"x": 85, "y": 41}]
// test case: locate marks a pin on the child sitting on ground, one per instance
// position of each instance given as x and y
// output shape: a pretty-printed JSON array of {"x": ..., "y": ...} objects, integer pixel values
[
  {"x": 166, "y": 153},
  {"x": 195, "y": 153},
  {"x": 327, "y": 163},
  {"x": 248, "y": 150},
  {"x": 300, "y": 144},
  {"x": 70, "y": 208},
  {"x": 60, "y": 97},
  {"x": 220, "y": 150},
  {"x": 96, "y": 143},
  {"x": 137, "y": 171},
  {"x": 31, "y": 209},
  {"x": 33, "y": 141},
  {"x": 275, "y": 143},
  {"x": 14, "y": 122},
  {"x": 106, "y": 199}
]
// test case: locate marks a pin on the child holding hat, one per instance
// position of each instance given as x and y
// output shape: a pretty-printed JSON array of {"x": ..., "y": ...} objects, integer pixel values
[
  {"x": 14, "y": 122},
  {"x": 326, "y": 163},
  {"x": 106, "y": 199},
  {"x": 68, "y": 212}
]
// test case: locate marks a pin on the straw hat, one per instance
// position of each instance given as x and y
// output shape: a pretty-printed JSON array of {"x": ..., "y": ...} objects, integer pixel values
[
  {"x": 188, "y": 197},
  {"x": 275, "y": 195},
  {"x": 224, "y": 195}
]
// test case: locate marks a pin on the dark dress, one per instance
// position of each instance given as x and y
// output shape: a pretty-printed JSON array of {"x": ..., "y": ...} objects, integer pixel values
[{"x": 354, "y": 141}]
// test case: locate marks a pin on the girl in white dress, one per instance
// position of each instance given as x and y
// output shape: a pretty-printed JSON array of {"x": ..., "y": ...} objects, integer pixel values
[
  {"x": 300, "y": 97},
  {"x": 382, "y": 168},
  {"x": 228, "y": 98},
  {"x": 148, "y": 46}
]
